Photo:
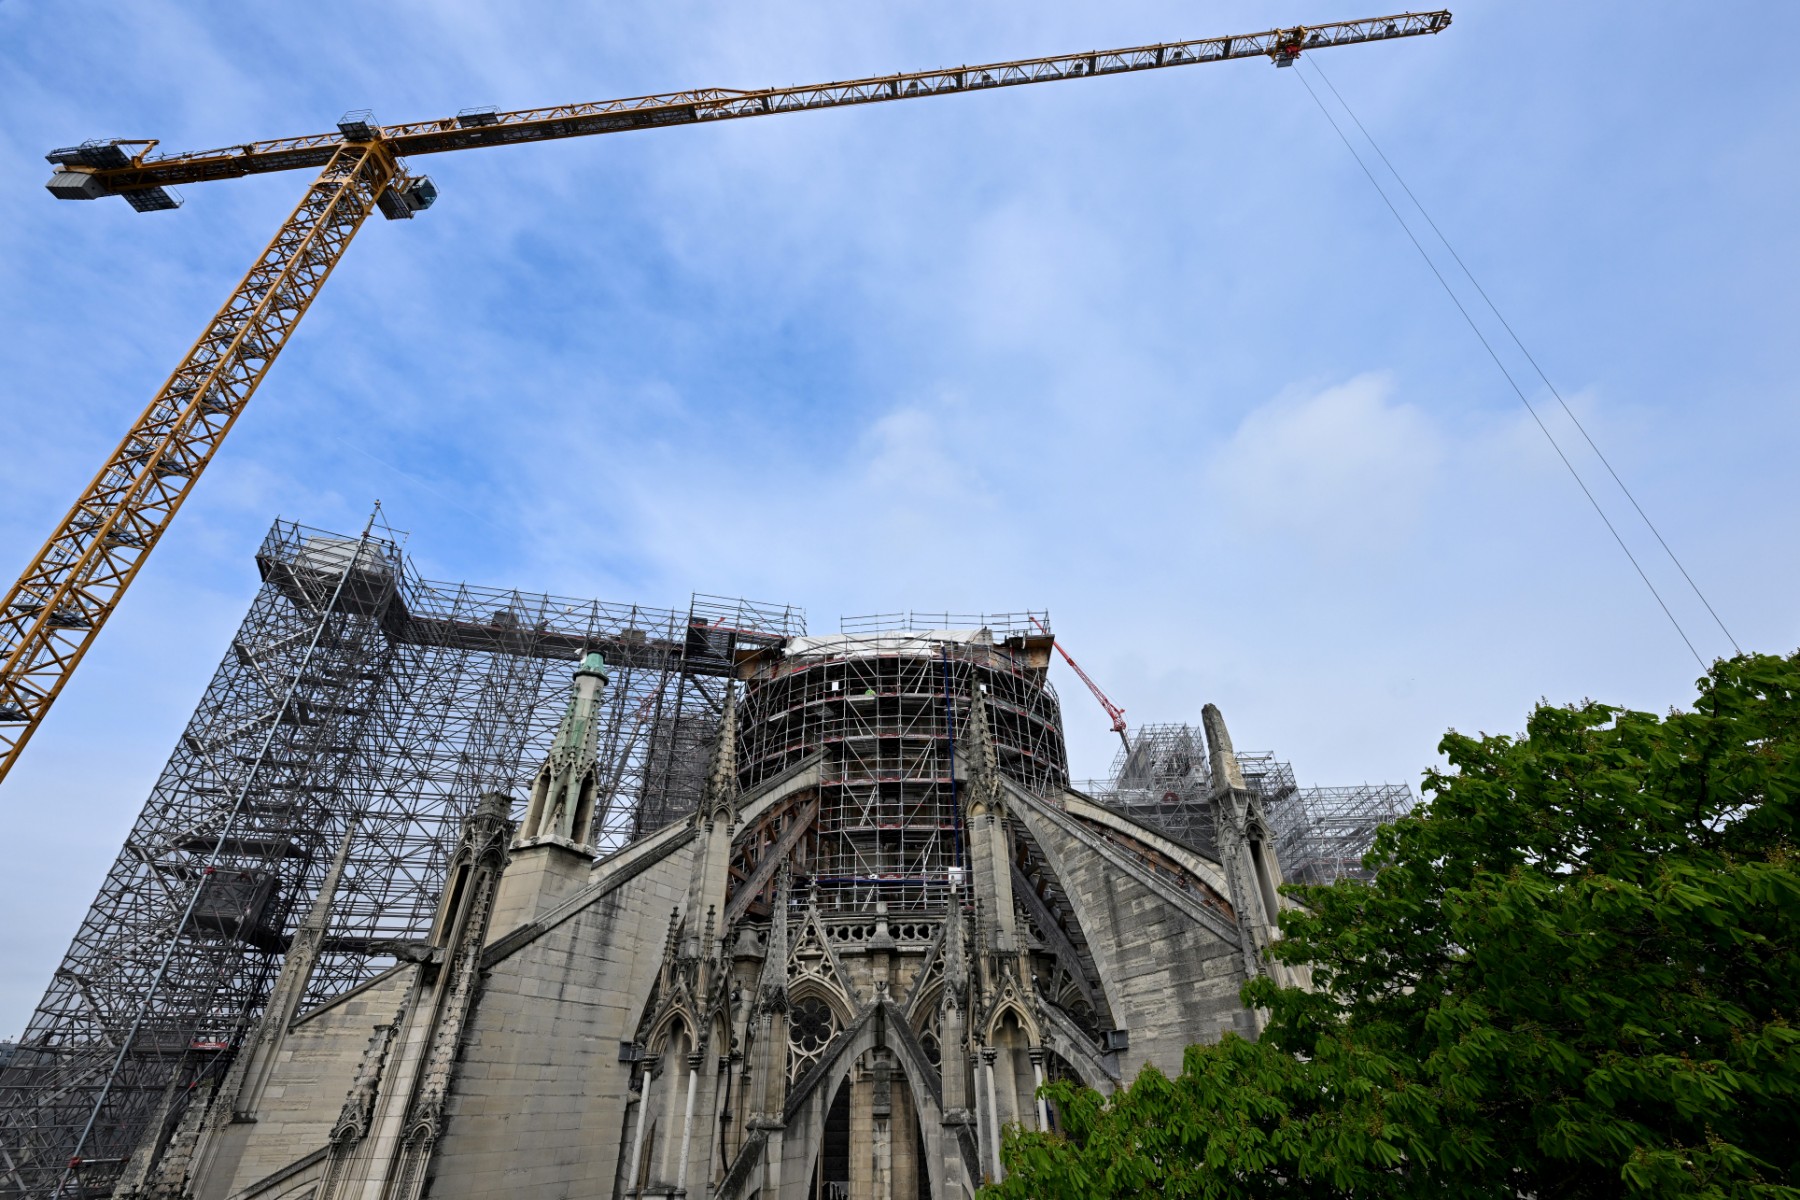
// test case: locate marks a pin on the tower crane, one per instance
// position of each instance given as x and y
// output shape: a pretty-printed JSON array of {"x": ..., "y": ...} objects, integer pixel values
[{"x": 50, "y": 617}]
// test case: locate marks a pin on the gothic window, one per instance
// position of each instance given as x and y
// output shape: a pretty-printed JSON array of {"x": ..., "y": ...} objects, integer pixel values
[
  {"x": 928, "y": 1024},
  {"x": 811, "y": 1025},
  {"x": 929, "y": 1040}
]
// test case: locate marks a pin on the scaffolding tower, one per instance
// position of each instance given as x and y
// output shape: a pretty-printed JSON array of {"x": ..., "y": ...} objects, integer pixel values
[
  {"x": 883, "y": 707},
  {"x": 356, "y": 700},
  {"x": 1320, "y": 833},
  {"x": 1162, "y": 782}
]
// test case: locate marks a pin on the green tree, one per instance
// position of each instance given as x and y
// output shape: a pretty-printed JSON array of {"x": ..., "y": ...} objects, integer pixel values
[{"x": 1575, "y": 975}]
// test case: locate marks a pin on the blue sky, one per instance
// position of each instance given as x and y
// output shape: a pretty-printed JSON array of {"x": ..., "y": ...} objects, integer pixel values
[{"x": 1145, "y": 351}]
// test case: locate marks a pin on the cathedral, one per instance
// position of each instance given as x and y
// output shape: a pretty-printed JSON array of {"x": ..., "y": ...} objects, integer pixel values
[{"x": 888, "y": 921}]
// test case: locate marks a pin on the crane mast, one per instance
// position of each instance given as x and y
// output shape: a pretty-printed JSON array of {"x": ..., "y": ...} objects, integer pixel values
[{"x": 50, "y": 617}]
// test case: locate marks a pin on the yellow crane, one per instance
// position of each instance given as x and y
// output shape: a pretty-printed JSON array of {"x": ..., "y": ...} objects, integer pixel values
[{"x": 51, "y": 616}]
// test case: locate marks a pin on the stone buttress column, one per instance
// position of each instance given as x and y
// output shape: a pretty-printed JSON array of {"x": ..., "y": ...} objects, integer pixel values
[
  {"x": 961, "y": 1124},
  {"x": 1245, "y": 849},
  {"x": 702, "y": 956},
  {"x": 714, "y": 821},
  {"x": 687, "y": 1121},
  {"x": 988, "y": 1055},
  {"x": 990, "y": 858},
  {"x": 398, "y": 1115},
  {"x": 768, "y": 1067}
]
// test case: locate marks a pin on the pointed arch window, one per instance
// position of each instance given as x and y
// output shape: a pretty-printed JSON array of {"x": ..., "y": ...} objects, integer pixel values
[
  {"x": 812, "y": 1024},
  {"x": 929, "y": 1042}
]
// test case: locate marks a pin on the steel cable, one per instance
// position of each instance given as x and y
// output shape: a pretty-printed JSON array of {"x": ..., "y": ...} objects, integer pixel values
[
  {"x": 1529, "y": 357},
  {"x": 1517, "y": 390}
]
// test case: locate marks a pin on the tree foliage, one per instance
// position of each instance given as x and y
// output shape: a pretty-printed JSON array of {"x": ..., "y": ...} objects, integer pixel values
[{"x": 1574, "y": 975}]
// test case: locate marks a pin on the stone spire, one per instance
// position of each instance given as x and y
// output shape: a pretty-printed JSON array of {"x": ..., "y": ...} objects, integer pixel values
[
  {"x": 990, "y": 844},
  {"x": 955, "y": 952},
  {"x": 562, "y": 795},
  {"x": 1226, "y": 774},
  {"x": 714, "y": 818},
  {"x": 319, "y": 915},
  {"x": 718, "y": 799},
  {"x": 772, "y": 987},
  {"x": 671, "y": 946},
  {"x": 1245, "y": 851},
  {"x": 982, "y": 758}
]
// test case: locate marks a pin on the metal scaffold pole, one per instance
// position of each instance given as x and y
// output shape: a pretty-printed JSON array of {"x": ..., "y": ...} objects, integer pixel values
[
  {"x": 210, "y": 864},
  {"x": 355, "y": 691}
]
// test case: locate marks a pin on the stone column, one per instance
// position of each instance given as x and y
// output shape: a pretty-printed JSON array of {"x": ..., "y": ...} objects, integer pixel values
[
  {"x": 772, "y": 1152},
  {"x": 718, "y": 1129},
  {"x": 988, "y": 1054},
  {"x": 643, "y": 1120},
  {"x": 1037, "y": 1071},
  {"x": 687, "y": 1122},
  {"x": 881, "y": 1110},
  {"x": 953, "y": 1075}
]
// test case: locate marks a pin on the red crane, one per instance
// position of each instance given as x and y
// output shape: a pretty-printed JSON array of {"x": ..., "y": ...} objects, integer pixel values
[{"x": 1112, "y": 710}]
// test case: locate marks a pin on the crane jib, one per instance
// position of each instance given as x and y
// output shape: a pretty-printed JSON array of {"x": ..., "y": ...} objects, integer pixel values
[
  {"x": 52, "y": 614},
  {"x": 101, "y": 168}
]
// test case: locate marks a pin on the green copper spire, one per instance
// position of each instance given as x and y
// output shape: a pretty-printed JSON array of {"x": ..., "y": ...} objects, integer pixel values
[{"x": 562, "y": 795}]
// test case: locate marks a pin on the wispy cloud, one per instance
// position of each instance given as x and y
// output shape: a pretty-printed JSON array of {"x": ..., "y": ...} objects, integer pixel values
[{"x": 1345, "y": 470}]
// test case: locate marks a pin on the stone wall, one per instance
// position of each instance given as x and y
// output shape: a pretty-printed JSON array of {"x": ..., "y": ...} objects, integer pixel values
[
  {"x": 1170, "y": 978},
  {"x": 540, "y": 1094},
  {"x": 306, "y": 1088}
]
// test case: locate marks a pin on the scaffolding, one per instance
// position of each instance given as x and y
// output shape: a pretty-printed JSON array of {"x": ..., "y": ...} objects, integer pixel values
[
  {"x": 1326, "y": 831},
  {"x": 360, "y": 701},
  {"x": 878, "y": 704},
  {"x": 356, "y": 699},
  {"x": 1320, "y": 833},
  {"x": 1162, "y": 782}
]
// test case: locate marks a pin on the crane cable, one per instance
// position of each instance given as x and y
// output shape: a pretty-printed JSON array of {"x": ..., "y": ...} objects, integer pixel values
[
  {"x": 1532, "y": 359},
  {"x": 1517, "y": 390}
]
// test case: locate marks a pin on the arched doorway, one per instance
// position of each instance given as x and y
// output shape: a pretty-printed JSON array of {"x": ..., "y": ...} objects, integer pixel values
[
  {"x": 873, "y": 1147},
  {"x": 831, "y": 1168}
]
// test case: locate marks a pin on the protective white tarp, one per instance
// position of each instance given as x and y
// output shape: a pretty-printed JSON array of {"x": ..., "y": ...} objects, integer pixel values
[{"x": 923, "y": 642}]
